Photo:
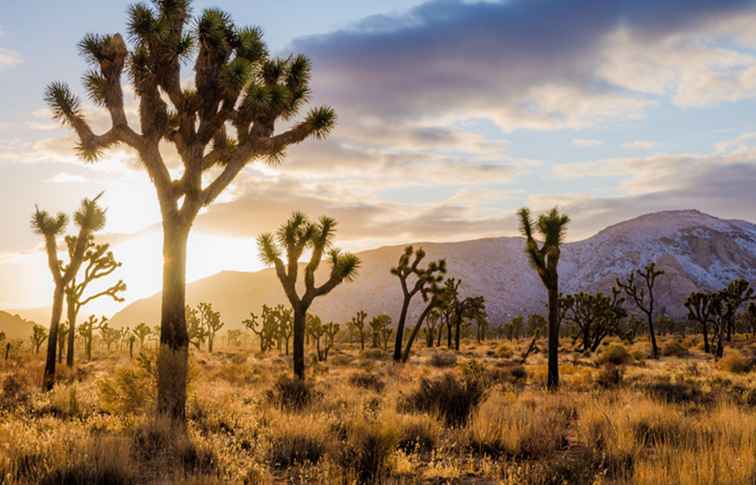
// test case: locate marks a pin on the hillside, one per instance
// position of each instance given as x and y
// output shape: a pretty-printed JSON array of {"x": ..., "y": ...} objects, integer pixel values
[
  {"x": 696, "y": 250},
  {"x": 15, "y": 326}
]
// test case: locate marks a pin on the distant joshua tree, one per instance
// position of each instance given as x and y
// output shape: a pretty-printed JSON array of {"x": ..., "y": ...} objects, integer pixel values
[
  {"x": 701, "y": 308},
  {"x": 751, "y": 318},
  {"x": 89, "y": 218},
  {"x": 292, "y": 238},
  {"x": 413, "y": 280},
  {"x": 726, "y": 304},
  {"x": 141, "y": 332},
  {"x": 321, "y": 333},
  {"x": 460, "y": 309},
  {"x": 644, "y": 298},
  {"x": 86, "y": 331},
  {"x": 98, "y": 263},
  {"x": 211, "y": 321},
  {"x": 38, "y": 337},
  {"x": 552, "y": 226},
  {"x": 219, "y": 124},
  {"x": 594, "y": 316},
  {"x": 357, "y": 327},
  {"x": 196, "y": 331}
]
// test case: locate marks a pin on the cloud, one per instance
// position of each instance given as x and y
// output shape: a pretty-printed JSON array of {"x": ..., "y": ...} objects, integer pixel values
[
  {"x": 639, "y": 145},
  {"x": 9, "y": 58},
  {"x": 66, "y": 178},
  {"x": 586, "y": 143},
  {"x": 509, "y": 63}
]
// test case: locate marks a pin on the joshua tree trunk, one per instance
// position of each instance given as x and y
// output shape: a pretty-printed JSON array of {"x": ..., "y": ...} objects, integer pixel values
[
  {"x": 707, "y": 348},
  {"x": 71, "y": 336},
  {"x": 299, "y": 336},
  {"x": 457, "y": 332},
  {"x": 553, "y": 377},
  {"x": 415, "y": 331},
  {"x": 400, "y": 330},
  {"x": 652, "y": 333},
  {"x": 210, "y": 344},
  {"x": 48, "y": 378},
  {"x": 174, "y": 340}
]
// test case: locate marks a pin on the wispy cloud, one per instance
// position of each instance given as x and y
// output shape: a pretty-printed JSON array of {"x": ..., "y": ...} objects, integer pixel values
[
  {"x": 9, "y": 58},
  {"x": 586, "y": 142}
]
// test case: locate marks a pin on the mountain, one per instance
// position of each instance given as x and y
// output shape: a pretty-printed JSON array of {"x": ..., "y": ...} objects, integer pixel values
[
  {"x": 696, "y": 251},
  {"x": 15, "y": 326}
]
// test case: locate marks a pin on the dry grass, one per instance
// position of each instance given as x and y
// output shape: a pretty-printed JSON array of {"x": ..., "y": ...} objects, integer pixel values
[{"x": 360, "y": 419}]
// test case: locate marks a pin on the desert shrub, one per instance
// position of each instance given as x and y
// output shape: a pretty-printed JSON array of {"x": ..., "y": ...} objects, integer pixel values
[
  {"x": 367, "y": 448},
  {"x": 14, "y": 393},
  {"x": 609, "y": 375},
  {"x": 366, "y": 380},
  {"x": 735, "y": 362},
  {"x": 504, "y": 351},
  {"x": 342, "y": 359},
  {"x": 676, "y": 392},
  {"x": 518, "y": 373},
  {"x": 158, "y": 443},
  {"x": 292, "y": 394},
  {"x": 658, "y": 429},
  {"x": 451, "y": 399},
  {"x": 416, "y": 432},
  {"x": 374, "y": 354},
  {"x": 616, "y": 355},
  {"x": 129, "y": 391},
  {"x": 525, "y": 428},
  {"x": 674, "y": 349},
  {"x": 296, "y": 444},
  {"x": 101, "y": 462},
  {"x": 443, "y": 359}
]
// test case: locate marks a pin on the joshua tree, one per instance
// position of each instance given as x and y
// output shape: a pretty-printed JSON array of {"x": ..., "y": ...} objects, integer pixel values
[
  {"x": 90, "y": 218},
  {"x": 86, "y": 331},
  {"x": 751, "y": 318},
  {"x": 210, "y": 321},
  {"x": 481, "y": 326},
  {"x": 725, "y": 307},
  {"x": 552, "y": 227},
  {"x": 196, "y": 331},
  {"x": 260, "y": 327},
  {"x": 98, "y": 263},
  {"x": 38, "y": 337},
  {"x": 284, "y": 326},
  {"x": 700, "y": 309},
  {"x": 141, "y": 332},
  {"x": 514, "y": 328},
  {"x": 644, "y": 298},
  {"x": 595, "y": 317},
  {"x": 460, "y": 310},
  {"x": 62, "y": 333},
  {"x": 217, "y": 125},
  {"x": 322, "y": 332},
  {"x": 432, "y": 322},
  {"x": 293, "y": 237},
  {"x": 424, "y": 278},
  {"x": 234, "y": 337},
  {"x": 357, "y": 326},
  {"x": 434, "y": 296},
  {"x": 109, "y": 335}
]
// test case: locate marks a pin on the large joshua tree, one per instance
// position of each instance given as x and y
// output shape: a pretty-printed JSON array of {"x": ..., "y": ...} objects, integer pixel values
[
  {"x": 292, "y": 238},
  {"x": 90, "y": 218},
  {"x": 99, "y": 263},
  {"x": 552, "y": 226},
  {"x": 225, "y": 120}
]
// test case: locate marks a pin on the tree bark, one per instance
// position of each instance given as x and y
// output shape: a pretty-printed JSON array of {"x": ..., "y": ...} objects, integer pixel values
[
  {"x": 71, "y": 335},
  {"x": 415, "y": 331},
  {"x": 553, "y": 376},
  {"x": 48, "y": 378},
  {"x": 707, "y": 348},
  {"x": 299, "y": 341},
  {"x": 400, "y": 330},
  {"x": 174, "y": 340},
  {"x": 652, "y": 334}
]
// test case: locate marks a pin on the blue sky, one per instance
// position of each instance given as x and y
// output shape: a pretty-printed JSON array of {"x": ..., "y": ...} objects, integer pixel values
[{"x": 452, "y": 114}]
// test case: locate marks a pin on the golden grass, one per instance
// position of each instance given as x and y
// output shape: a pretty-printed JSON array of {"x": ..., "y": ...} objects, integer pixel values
[{"x": 96, "y": 425}]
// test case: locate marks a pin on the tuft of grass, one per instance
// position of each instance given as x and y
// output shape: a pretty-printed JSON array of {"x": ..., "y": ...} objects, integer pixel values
[
  {"x": 443, "y": 359},
  {"x": 292, "y": 394},
  {"x": 448, "y": 397},
  {"x": 736, "y": 362},
  {"x": 616, "y": 355},
  {"x": 366, "y": 380}
]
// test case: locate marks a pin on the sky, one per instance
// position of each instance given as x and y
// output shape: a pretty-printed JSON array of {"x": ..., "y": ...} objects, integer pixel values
[{"x": 451, "y": 115}]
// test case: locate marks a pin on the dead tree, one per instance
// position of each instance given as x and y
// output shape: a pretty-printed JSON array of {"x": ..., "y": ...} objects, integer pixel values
[{"x": 644, "y": 298}]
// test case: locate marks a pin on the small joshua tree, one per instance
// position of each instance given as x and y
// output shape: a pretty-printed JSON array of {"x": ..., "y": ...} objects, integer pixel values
[
  {"x": 259, "y": 326},
  {"x": 98, "y": 263},
  {"x": 357, "y": 326},
  {"x": 196, "y": 331},
  {"x": 594, "y": 316},
  {"x": 210, "y": 321},
  {"x": 284, "y": 326},
  {"x": 292, "y": 238},
  {"x": 644, "y": 298},
  {"x": 234, "y": 337},
  {"x": 320, "y": 332},
  {"x": 552, "y": 226},
  {"x": 725, "y": 307},
  {"x": 700, "y": 309},
  {"x": 413, "y": 280},
  {"x": 458, "y": 309},
  {"x": 90, "y": 218},
  {"x": 38, "y": 337},
  {"x": 432, "y": 325},
  {"x": 109, "y": 335},
  {"x": 86, "y": 331},
  {"x": 141, "y": 332}
]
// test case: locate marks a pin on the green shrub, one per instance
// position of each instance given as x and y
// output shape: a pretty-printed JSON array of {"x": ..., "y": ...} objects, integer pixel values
[{"x": 130, "y": 391}]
